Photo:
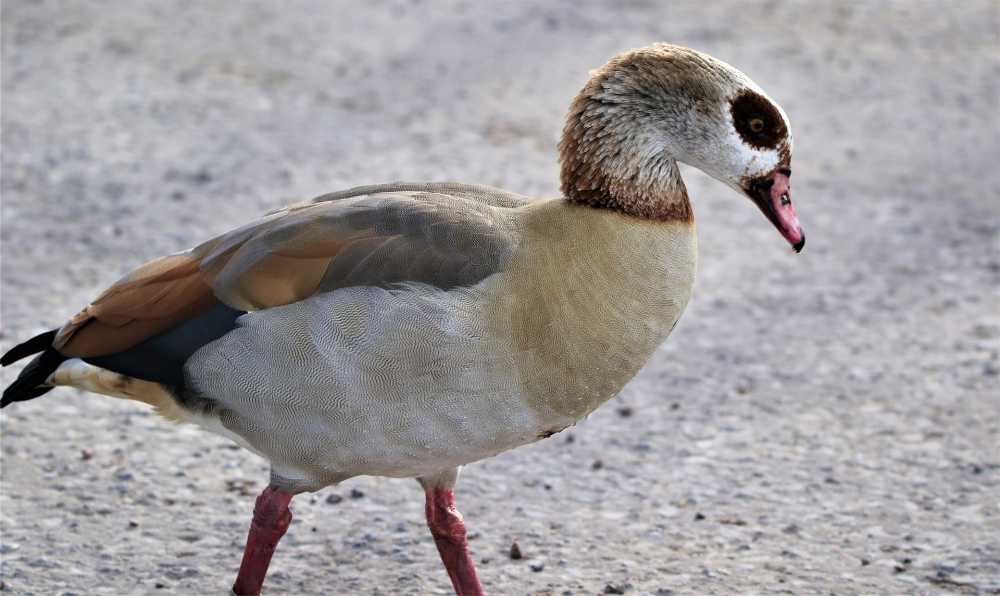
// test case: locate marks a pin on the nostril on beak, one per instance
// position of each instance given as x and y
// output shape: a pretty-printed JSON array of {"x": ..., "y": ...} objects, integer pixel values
[{"x": 785, "y": 201}]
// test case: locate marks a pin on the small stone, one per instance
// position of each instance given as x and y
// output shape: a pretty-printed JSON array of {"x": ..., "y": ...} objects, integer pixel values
[
  {"x": 625, "y": 411},
  {"x": 333, "y": 499},
  {"x": 86, "y": 454},
  {"x": 597, "y": 465},
  {"x": 986, "y": 331},
  {"x": 619, "y": 588},
  {"x": 536, "y": 565},
  {"x": 515, "y": 551},
  {"x": 699, "y": 516},
  {"x": 160, "y": 585},
  {"x": 357, "y": 494},
  {"x": 240, "y": 485},
  {"x": 133, "y": 525},
  {"x": 865, "y": 562},
  {"x": 202, "y": 176}
]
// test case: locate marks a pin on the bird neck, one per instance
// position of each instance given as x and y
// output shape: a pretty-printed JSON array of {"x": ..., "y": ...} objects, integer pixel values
[{"x": 609, "y": 162}]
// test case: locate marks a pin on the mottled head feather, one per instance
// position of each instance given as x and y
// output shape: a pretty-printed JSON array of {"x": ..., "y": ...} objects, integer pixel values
[{"x": 649, "y": 108}]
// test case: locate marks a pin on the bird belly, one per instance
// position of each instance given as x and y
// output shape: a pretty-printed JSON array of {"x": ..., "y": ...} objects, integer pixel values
[{"x": 402, "y": 382}]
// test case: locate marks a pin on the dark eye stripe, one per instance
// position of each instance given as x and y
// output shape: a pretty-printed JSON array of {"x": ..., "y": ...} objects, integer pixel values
[{"x": 748, "y": 106}]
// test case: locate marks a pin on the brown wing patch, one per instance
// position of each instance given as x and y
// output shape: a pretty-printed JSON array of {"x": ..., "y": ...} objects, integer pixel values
[
  {"x": 151, "y": 299},
  {"x": 276, "y": 280},
  {"x": 757, "y": 121},
  {"x": 170, "y": 290}
]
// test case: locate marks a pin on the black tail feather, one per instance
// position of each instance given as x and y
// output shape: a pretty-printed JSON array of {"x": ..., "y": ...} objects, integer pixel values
[
  {"x": 32, "y": 346},
  {"x": 30, "y": 383}
]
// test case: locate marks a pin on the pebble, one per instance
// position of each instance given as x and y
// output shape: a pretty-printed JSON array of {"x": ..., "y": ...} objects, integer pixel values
[{"x": 515, "y": 551}]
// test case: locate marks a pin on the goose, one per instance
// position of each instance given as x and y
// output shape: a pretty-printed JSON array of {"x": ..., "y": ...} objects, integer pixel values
[{"x": 408, "y": 329}]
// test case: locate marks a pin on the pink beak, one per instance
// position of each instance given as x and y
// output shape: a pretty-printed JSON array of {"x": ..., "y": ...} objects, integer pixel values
[{"x": 773, "y": 195}]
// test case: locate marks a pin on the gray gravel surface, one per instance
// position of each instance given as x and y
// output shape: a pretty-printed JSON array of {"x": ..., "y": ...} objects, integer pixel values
[{"x": 820, "y": 423}]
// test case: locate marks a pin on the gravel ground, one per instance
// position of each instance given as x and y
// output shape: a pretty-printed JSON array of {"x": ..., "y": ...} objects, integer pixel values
[{"x": 820, "y": 423}]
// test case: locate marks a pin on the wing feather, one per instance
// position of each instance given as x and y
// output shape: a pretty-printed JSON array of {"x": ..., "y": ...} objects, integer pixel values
[{"x": 444, "y": 235}]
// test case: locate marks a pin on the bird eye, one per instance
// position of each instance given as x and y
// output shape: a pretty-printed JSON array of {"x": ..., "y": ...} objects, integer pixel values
[{"x": 757, "y": 120}]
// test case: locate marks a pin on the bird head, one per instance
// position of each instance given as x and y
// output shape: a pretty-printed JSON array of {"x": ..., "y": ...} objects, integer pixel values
[{"x": 648, "y": 108}]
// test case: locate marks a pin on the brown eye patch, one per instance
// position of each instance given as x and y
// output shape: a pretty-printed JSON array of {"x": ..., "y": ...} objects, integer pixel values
[{"x": 757, "y": 120}]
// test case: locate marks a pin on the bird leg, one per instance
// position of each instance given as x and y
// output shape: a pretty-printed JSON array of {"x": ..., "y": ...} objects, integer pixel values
[
  {"x": 270, "y": 520},
  {"x": 448, "y": 529}
]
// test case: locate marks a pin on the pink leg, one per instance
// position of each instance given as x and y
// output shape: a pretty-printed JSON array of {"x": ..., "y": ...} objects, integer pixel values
[
  {"x": 270, "y": 520},
  {"x": 448, "y": 530}
]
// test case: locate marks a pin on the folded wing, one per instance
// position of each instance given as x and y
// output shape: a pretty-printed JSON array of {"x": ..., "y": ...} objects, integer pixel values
[{"x": 443, "y": 235}]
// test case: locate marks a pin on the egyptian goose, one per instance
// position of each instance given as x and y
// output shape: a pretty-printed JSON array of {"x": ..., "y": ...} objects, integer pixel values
[{"x": 405, "y": 330}]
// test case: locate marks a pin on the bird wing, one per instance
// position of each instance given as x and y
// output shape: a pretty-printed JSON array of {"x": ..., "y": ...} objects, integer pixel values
[{"x": 443, "y": 235}]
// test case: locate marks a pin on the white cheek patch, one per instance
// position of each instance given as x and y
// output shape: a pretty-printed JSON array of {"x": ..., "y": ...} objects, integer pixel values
[
  {"x": 743, "y": 161},
  {"x": 759, "y": 162}
]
